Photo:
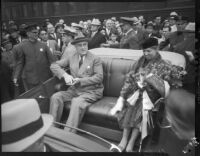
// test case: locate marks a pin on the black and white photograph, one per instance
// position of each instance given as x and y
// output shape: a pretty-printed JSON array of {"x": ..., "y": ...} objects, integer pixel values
[{"x": 99, "y": 77}]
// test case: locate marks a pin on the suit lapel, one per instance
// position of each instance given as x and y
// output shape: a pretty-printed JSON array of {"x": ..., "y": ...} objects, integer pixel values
[{"x": 76, "y": 63}]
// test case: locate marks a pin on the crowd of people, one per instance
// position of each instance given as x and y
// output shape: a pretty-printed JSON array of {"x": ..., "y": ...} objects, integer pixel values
[
  {"x": 34, "y": 53},
  {"x": 176, "y": 34}
]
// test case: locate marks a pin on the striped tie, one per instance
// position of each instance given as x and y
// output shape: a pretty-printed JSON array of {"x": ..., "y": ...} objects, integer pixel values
[{"x": 81, "y": 61}]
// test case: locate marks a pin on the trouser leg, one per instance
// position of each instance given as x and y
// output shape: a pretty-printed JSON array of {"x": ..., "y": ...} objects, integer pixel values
[
  {"x": 57, "y": 103},
  {"x": 77, "y": 111}
]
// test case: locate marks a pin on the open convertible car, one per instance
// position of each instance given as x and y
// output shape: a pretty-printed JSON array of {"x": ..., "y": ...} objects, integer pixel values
[{"x": 99, "y": 130}]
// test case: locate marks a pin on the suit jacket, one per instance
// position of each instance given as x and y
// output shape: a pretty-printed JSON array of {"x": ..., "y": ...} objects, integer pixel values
[
  {"x": 69, "y": 51},
  {"x": 138, "y": 39},
  {"x": 7, "y": 86},
  {"x": 90, "y": 73},
  {"x": 96, "y": 40},
  {"x": 51, "y": 37},
  {"x": 33, "y": 59},
  {"x": 53, "y": 46}
]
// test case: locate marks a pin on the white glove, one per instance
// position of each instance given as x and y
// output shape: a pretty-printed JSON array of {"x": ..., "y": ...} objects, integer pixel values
[
  {"x": 118, "y": 106},
  {"x": 68, "y": 79}
]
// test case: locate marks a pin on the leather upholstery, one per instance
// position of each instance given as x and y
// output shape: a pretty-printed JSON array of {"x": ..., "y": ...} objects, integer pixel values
[{"x": 115, "y": 70}]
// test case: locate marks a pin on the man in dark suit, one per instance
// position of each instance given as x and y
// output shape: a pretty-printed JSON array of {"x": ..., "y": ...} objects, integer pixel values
[
  {"x": 130, "y": 38},
  {"x": 34, "y": 59},
  {"x": 7, "y": 86},
  {"x": 85, "y": 83},
  {"x": 96, "y": 38},
  {"x": 67, "y": 38}
]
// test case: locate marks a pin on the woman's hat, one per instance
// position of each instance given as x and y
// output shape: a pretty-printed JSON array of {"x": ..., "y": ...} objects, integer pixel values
[
  {"x": 80, "y": 38},
  {"x": 22, "y": 124},
  {"x": 150, "y": 42}
]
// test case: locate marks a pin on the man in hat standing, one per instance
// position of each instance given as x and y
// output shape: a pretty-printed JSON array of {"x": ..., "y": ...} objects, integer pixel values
[
  {"x": 96, "y": 38},
  {"x": 23, "y": 126},
  {"x": 7, "y": 55},
  {"x": 78, "y": 27},
  {"x": 85, "y": 83},
  {"x": 129, "y": 39},
  {"x": 68, "y": 37},
  {"x": 173, "y": 22},
  {"x": 34, "y": 59},
  {"x": 52, "y": 35}
]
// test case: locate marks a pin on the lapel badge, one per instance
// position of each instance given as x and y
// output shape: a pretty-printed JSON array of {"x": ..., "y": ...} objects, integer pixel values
[
  {"x": 88, "y": 67},
  {"x": 41, "y": 49}
]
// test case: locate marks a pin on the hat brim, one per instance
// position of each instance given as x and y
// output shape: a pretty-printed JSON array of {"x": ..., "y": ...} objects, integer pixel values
[
  {"x": 24, "y": 143},
  {"x": 80, "y": 40},
  {"x": 134, "y": 23},
  {"x": 68, "y": 33},
  {"x": 188, "y": 31},
  {"x": 95, "y": 24}
]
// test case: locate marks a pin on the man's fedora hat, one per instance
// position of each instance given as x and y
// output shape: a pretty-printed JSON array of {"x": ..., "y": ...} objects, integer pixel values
[
  {"x": 31, "y": 27},
  {"x": 5, "y": 42},
  {"x": 126, "y": 20},
  {"x": 79, "y": 26},
  {"x": 59, "y": 25},
  {"x": 173, "y": 13},
  {"x": 95, "y": 22},
  {"x": 135, "y": 20},
  {"x": 22, "y": 124},
  {"x": 80, "y": 38},
  {"x": 69, "y": 31}
]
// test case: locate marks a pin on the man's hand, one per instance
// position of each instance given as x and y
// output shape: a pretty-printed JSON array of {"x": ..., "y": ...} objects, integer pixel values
[
  {"x": 76, "y": 81},
  {"x": 68, "y": 79},
  {"x": 15, "y": 82},
  {"x": 190, "y": 55}
]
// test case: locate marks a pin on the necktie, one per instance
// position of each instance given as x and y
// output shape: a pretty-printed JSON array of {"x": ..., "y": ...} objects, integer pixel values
[{"x": 81, "y": 61}]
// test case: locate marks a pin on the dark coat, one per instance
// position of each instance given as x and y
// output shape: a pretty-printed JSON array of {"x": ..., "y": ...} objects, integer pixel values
[
  {"x": 96, "y": 40},
  {"x": 7, "y": 86},
  {"x": 34, "y": 60},
  {"x": 131, "y": 40}
]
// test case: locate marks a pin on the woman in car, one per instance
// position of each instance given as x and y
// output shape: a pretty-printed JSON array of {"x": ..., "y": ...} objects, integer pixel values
[{"x": 149, "y": 81}]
